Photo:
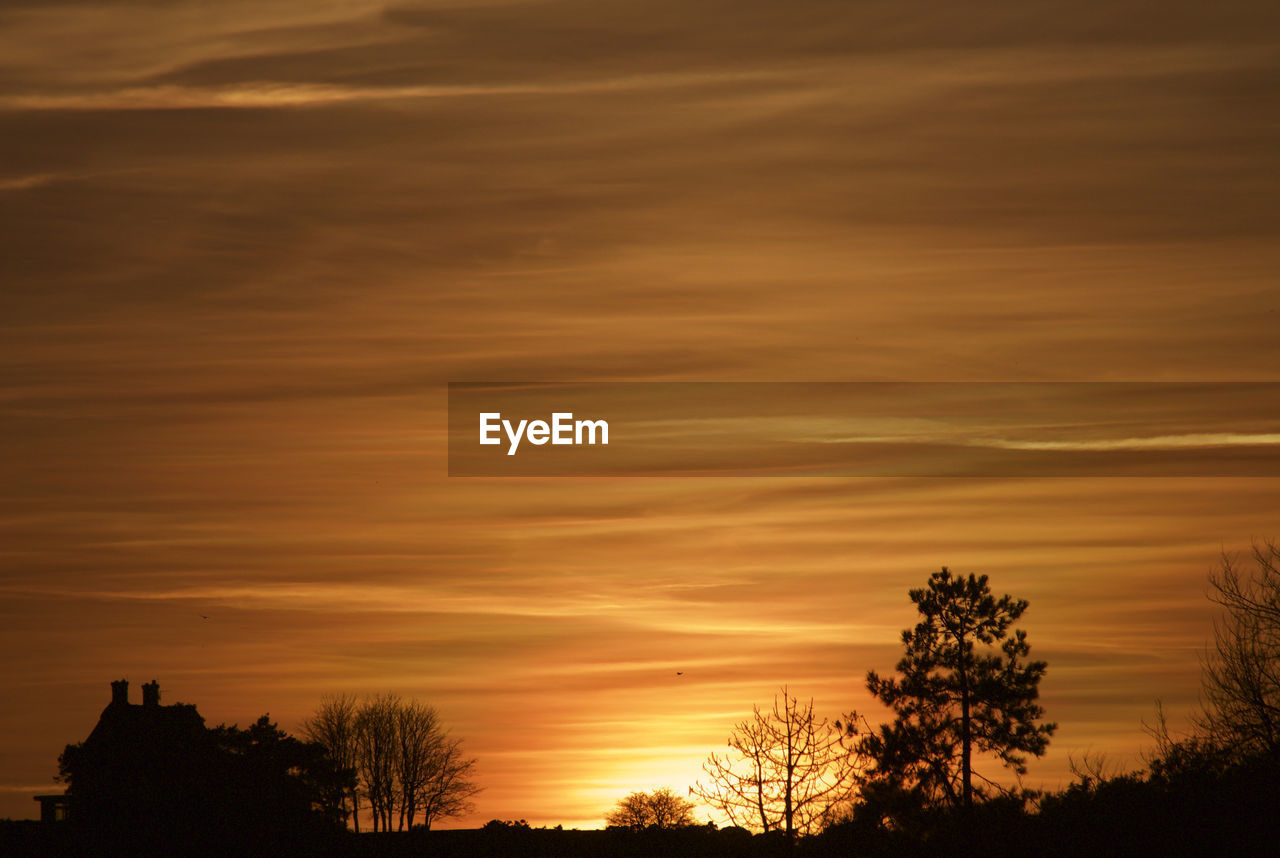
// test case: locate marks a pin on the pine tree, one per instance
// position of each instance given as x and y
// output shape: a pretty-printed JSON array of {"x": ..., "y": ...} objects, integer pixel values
[{"x": 964, "y": 687}]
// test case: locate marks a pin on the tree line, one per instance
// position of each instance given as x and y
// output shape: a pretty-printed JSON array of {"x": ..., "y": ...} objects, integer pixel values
[
  {"x": 965, "y": 718},
  {"x": 963, "y": 689},
  {"x": 407, "y": 769},
  {"x": 945, "y": 770}
]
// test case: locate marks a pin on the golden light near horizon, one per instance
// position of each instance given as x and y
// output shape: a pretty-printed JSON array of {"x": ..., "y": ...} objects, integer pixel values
[{"x": 244, "y": 250}]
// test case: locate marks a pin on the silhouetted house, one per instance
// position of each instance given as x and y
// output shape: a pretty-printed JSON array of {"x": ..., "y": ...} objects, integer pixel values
[
  {"x": 125, "y": 725},
  {"x": 153, "y": 780},
  {"x": 122, "y": 746},
  {"x": 143, "y": 768},
  {"x": 54, "y": 808}
]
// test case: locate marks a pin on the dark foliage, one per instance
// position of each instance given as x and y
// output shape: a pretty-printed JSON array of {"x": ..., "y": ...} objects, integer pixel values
[
  {"x": 660, "y": 808},
  {"x": 503, "y": 840},
  {"x": 1193, "y": 802},
  {"x": 964, "y": 689}
]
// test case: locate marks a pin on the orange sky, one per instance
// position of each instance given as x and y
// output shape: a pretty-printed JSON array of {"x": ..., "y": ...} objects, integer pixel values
[{"x": 244, "y": 247}]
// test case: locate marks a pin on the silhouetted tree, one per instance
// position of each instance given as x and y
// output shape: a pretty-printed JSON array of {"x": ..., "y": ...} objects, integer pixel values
[
  {"x": 1242, "y": 674},
  {"x": 447, "y": 789},
  {"x": 376, "y": 750},
  {"x": 962, "y": 686},
  {"x": 786, "y": 771},
  {"x": 279, "y": 780},
  {"x": 418, "y": 747},
  {"x": 661, "y": 808},
  {"x": 409, "y": 768},
  {"x": 333, "y": 726}
]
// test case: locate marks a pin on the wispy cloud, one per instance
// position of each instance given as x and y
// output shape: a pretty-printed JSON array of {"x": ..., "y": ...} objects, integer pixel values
[
  {"x": 1200, "y": 440},
  {"x": 21, "y": 183},
  {"x": 271, "y": 95},
  {"x": 1160, "y": 442}
]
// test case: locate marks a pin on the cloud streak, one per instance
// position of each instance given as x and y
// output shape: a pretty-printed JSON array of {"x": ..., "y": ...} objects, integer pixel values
[
  {"x": 1160, "y": 442},
  {"x": 258, "y": 95}
]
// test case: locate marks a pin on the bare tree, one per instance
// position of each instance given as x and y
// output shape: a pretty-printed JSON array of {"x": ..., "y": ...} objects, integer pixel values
[
  {"x": 419, "y": 742},
  {"x": 1242, "y": 673},
  {"x": 447, "y": 789},
  {"x": 786, "y": 770},
  {"x": 661, "y": 808},
  {"x": 408, "y": 768},
  {"x": 669, "y": 810},
  {"x": 333, "y": 726},
  {"x": 630, "y": 812},
  {"x": 377, "y": 750},
  {"x": 1092, "y": 769}
]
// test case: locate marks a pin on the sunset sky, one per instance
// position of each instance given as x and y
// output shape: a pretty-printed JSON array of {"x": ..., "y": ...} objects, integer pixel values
[{"x": 245, "y": 246}]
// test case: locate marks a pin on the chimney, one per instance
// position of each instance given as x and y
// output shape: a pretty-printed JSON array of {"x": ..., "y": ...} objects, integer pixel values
[
  {"x": 151, "y": 693},
  {"x": 120, "y": 692}
]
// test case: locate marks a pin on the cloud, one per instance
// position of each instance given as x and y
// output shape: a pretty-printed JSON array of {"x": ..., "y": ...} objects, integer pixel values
[
  {"x": 21, "y": 183},
  {"x": 260, "y": 94},
  {"x": 1160, "y": 442}
]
